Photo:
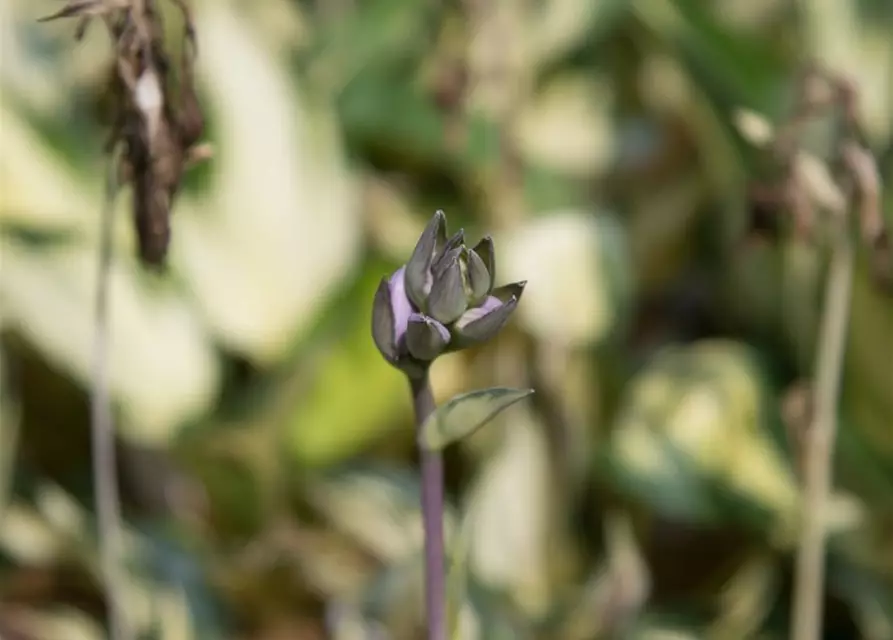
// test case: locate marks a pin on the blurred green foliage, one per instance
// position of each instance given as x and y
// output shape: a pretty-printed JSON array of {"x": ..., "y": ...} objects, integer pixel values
[{"x": 648, "y": 489}]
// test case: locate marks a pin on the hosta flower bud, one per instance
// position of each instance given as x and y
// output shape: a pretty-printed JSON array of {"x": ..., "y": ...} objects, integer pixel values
[
  {"x": 447, "y": 300},
  {"x": 418, "y": 270},
  {"x": 442, "y": 300},
  {"x": 391, "y": 311},
  {"x": 480, "y": 271},
  {"x": 426, "y": 338},
  {"x": 481, "y": 323}
]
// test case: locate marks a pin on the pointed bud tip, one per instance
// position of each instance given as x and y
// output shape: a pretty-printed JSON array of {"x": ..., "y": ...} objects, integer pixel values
[
  {"x": 438, "y": 219},
  {"x": 438, "y": 222},
  {"x": 519, "y": 288},
  {"x": 507, "y": 291},
  {"x": 383, "y": 287}
]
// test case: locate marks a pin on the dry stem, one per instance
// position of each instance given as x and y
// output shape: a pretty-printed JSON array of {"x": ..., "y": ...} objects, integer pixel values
[
  {"x": 819, "y": 455},
  {"x": 105, "y": 483}
]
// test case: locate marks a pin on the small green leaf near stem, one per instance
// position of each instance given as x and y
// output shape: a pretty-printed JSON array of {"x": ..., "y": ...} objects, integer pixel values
[{"x": 466, "y": 413}]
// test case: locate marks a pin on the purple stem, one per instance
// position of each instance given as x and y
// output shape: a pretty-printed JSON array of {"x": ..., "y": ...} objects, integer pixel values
[{"x": 432, "y": 513}]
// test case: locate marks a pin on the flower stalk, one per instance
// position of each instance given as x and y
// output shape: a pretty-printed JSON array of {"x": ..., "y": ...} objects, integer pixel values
[
  {"x": 432, "y": 513},
  {"x": 809, "y": 577},
  {"x": 442, "y": 300}
]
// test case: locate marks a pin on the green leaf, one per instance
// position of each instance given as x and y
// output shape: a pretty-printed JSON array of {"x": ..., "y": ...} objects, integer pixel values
[
  {"x": 693, "y": 438},
  {"x": 465, "y": 414}
]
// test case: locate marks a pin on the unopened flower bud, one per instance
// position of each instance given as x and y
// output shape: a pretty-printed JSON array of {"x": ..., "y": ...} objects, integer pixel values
[
  {"x": 418, "y": 270},
  {"x": 448, "y": 300},
  {"x": 390, "y": 316},
  {"x": 426, "y": 338},
  {"x": 442, "y": 300},
  {"x": 481, "y": 323},
  {"x": 480, "y": 279}
]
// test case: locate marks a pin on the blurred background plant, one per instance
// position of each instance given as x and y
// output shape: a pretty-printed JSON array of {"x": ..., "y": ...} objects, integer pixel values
[{"x": 649, "y": 488}]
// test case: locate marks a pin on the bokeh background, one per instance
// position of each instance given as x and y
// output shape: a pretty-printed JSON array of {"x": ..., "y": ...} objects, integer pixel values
[{"x": 267, "y": 460}]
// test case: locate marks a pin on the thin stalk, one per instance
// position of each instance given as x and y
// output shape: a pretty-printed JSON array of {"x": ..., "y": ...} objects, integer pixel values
[
  {"x": 820, "y": 440},
  {"x": 432, "y": 514},
  {"x": 10, "y": 428},
  {"x": 105, "y": 485}
]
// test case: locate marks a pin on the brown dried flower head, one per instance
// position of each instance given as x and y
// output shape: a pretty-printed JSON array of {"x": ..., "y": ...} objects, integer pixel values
[
  {"x": 846, "y": 184},
  {"x": 157, "y": 119}
]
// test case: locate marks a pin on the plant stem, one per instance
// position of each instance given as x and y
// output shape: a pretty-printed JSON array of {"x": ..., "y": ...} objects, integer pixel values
[
  {"x": 432, "y": 513},
  {"x": 105, "y": 484},
  {"x": 819, "y": 442}
]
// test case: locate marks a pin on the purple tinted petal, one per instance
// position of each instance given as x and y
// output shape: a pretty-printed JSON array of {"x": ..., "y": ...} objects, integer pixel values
[
  {"x": 489, "y": 304},
  {"x": 383, "y": 322},
  {"x": 485, "y": 250},
  {"x": 418, "y": 269},
  {"x": 500, "y": 296},
  {"x": 447, "y": 300},
  {"x": 455, "y": 241},
  {"x": 426, "y": 338},
  {"x": 400, "y": 304},
  {"x": 484, "y": 322},
  {"x": 479, "y": 279},
  {"x": 445, "y": 261},
  {"x": 441, "y": 329}
]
